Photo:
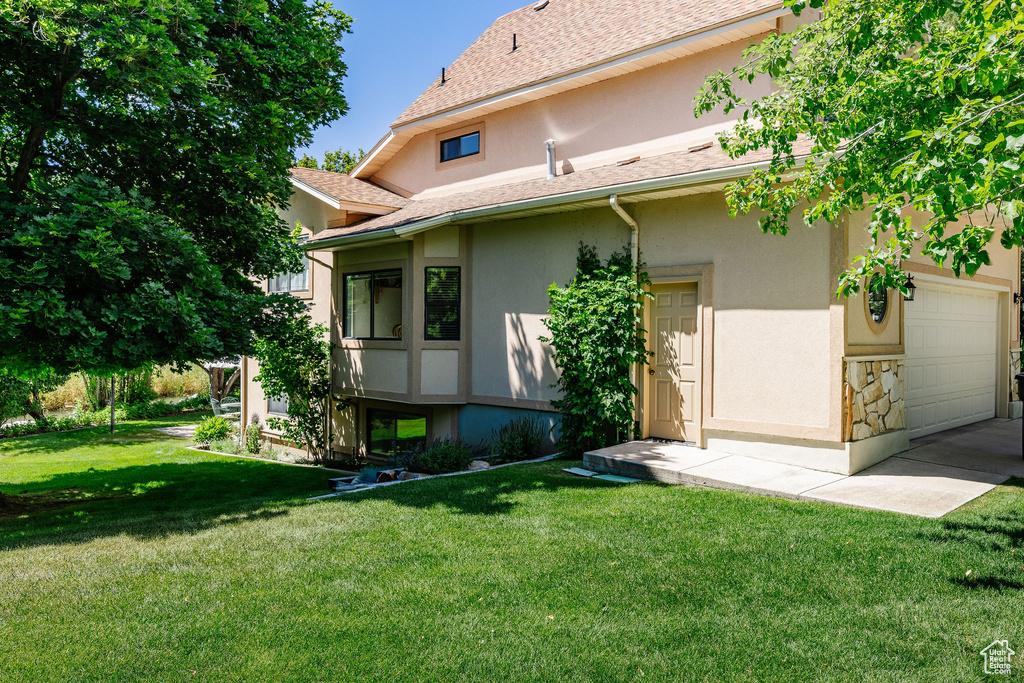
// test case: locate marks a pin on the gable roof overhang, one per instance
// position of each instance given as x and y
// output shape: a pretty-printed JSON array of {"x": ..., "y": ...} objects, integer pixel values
[
  {"x": 688, "y": 44},
  {"x": 627, "y": 193},
  {"x": 335, "y": 203}
]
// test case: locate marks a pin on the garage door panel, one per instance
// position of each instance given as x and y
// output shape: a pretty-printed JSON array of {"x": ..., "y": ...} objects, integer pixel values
[{"x": 951, "y": 339}]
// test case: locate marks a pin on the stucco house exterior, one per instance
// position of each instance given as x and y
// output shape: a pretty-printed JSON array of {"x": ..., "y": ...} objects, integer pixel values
[{"x": 570, "y": 121}]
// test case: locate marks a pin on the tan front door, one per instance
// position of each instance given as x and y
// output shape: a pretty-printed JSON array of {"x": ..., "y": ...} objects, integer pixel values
[{"x": 673, "y": 386}]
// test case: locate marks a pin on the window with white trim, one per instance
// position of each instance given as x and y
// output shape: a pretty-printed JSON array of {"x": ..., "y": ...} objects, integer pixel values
[
  {"x": 292, "y": 282},
  {"x": 278, "y": 406}
]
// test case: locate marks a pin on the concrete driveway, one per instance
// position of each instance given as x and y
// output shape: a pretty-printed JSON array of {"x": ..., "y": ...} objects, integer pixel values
[{"x": 937, "y": 475}]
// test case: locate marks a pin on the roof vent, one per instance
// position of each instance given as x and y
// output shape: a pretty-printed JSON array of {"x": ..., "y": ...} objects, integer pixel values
[
  {"x": 701, "y": 147},
  {"x": 540, "y": 5},
  {"x": 515, "y": 45},
  {"x": 443, "y": 80}
]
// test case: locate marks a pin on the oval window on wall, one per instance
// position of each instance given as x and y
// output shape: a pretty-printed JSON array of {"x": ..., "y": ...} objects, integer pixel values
[{"x": 878, "y": 299}]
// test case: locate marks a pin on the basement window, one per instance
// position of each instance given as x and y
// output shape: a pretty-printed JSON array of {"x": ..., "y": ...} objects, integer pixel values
[
  {"x": 461, "y": 146},
  {"x": 392, "y": 432}
]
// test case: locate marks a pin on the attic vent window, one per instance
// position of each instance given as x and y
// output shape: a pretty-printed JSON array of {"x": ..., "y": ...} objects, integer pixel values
[
  {"x": 461, "y": 146},
  {"x": 540, "y": 5}
]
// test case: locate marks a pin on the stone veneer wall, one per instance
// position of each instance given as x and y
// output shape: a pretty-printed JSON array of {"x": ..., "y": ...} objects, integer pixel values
[{"x": 872, "y": 398}]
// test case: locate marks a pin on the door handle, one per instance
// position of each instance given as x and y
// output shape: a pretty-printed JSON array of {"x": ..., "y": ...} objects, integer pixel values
[{"x": 650, "y": 372}]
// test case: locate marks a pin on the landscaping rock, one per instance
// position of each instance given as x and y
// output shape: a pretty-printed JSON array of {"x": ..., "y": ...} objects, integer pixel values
[
  {"x": 479, "y": 465},
  {"x": 386, "y": 475},
  {"x": 406, "y": 476}
]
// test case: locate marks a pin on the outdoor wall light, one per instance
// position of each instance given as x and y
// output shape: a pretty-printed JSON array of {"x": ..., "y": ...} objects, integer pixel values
[{"x": 911, "y": 288}]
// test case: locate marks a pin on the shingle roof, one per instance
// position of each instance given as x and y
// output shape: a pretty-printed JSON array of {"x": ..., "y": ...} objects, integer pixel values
[
  {"x": 649, "y": 168},
  {"x": 565, "y": 36},
  {"x": 348, "y": 189}
]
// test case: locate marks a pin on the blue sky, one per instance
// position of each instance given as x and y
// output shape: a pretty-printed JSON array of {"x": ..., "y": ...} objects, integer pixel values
[{"x": 396, "y": 49}]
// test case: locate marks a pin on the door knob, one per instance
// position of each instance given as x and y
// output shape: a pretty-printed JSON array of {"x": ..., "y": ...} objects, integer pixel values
[{"x": 650, "y": 372}]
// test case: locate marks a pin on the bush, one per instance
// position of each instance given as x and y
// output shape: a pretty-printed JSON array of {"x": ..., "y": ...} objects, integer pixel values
[
  {"x": 521, "y": 439},
  {"x": 212, "y": 429},
  {"x": 443, "y": 455},
  {"x": 200, "y": 401},
  {"x": 253, "y": 445},
  {"x": 597, "y": 336}
]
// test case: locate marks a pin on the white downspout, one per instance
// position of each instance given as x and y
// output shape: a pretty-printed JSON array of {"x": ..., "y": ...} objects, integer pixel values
[{"x": 634, "y": 253}]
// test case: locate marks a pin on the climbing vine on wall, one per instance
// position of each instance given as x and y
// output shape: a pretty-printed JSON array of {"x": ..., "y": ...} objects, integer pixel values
[{"x": 596, "y": 325}]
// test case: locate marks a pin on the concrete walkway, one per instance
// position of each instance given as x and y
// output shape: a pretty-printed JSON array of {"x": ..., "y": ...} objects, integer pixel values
[{"x": 937, "y": 475}]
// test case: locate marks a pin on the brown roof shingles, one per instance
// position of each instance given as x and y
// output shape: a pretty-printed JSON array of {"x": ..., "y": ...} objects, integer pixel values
[
  {"x": 565, "y": 36},
  {"x": 348, "y": 189},
  {"x": 649, "y": 168}
]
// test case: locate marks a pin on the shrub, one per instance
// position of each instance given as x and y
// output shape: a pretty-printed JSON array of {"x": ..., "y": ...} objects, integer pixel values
[
  {"x": 520, "y": 439},
  {"x": 443, "y": 455},
  {"x": 200, "y": 401},
  {"x": 212, "y": 429},
  {"x": 597, "y": 335},
  {"x": 253, "y": 445},
  {"x": 296, "y": 362}
]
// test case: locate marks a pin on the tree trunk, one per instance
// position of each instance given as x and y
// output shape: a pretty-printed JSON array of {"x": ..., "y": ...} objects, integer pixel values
[{"x": 37, "y": 133}]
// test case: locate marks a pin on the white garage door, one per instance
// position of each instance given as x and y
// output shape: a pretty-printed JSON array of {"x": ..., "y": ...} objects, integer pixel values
[{"x": 951, "y": 342}]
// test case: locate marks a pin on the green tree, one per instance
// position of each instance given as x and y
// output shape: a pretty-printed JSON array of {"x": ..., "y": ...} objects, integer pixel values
[
  {"x": 598, "y": 338},
  {"x": 342, "y": 161},
  {"x": 339, "y": 161},
  {"x": 307, "y": 162},
  {"x": 296, "y": 364},
  {"x": 899, "y": 104},
  {"x": 21, "y": 396},
  {"x": 144, "y": 150}
]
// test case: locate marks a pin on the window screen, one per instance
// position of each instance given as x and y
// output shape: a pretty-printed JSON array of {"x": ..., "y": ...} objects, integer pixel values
[{"x": 442, "y": 299}]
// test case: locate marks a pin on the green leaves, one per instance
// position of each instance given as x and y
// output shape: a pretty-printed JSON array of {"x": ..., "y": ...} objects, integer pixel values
[
  {"x": 907, "y": 108},
  {"x": 295, "y": 362},
  {"x": 144, "y": 152},
  {"x": 598, "y": 337}
]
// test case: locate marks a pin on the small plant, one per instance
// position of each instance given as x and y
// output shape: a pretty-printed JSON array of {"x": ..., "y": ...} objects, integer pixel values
[
  {"x": 229, "y": 446},
  {"x": 368, "y": 475},
  {"x": 520, "y": 439},
  {"x": 253, "y": 445},
  {"x": 212, "y": 429}
]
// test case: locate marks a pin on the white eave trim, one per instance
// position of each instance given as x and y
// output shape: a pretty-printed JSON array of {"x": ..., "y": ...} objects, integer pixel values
[
  {"x": 697, "y": 178},
  {"x": 538, "y": 86},
  {"x": 381, "y": 144}
]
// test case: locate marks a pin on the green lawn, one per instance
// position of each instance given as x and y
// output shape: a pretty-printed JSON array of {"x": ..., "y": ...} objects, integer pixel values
[{"x": 190, "y": 567}]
